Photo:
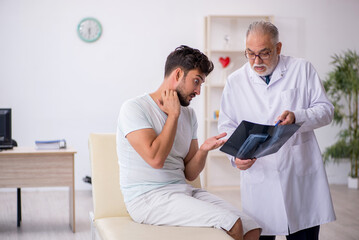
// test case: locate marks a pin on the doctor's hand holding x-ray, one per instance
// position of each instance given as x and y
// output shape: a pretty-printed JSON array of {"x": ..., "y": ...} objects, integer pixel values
[{"x": 287, "y": 117}]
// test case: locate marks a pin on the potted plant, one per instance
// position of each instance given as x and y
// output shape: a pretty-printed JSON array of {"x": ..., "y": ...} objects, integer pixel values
[{"x": 342, "y": 87}]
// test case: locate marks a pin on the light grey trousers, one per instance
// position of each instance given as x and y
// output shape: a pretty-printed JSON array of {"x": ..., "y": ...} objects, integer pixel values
[{"x": 183, "y": 205}]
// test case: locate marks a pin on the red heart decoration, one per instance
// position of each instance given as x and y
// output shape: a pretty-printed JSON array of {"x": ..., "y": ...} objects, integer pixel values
[{"x": 224, "y": 61}]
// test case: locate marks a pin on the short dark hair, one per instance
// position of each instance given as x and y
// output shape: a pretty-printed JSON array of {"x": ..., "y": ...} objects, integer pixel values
[{"x": 187, "y": 59}]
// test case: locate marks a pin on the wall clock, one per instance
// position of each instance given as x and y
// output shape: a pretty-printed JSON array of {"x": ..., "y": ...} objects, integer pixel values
[{"x": 89, "y": 29}]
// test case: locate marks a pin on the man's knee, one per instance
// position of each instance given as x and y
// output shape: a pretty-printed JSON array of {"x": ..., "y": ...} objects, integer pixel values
[
  {"x": 236, "y": 231},
  {"x": 252, "y": 234}
]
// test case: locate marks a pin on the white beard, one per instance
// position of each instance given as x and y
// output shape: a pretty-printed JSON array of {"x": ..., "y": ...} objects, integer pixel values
[{"x": 268, "y": 70}]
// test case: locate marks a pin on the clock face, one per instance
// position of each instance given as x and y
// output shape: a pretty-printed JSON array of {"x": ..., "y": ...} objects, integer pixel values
[{"x": 89, "y": 29}]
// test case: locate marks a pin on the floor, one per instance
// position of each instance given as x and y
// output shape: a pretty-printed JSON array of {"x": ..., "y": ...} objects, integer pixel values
[{"x": 45, "y": 215}]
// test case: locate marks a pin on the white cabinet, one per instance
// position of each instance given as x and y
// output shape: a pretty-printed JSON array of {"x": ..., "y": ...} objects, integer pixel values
[{"x": 224, "y": 45}]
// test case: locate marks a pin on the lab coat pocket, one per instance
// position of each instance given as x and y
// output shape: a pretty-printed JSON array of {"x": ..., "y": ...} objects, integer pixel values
[
  {"x": 304, "y": 159},
  {"x": 290, "y": 98},
  {"x": 254, "y": 174}
]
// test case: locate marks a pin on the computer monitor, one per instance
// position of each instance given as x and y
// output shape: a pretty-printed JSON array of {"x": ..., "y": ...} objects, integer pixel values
[{"x": 5, "y": 129}]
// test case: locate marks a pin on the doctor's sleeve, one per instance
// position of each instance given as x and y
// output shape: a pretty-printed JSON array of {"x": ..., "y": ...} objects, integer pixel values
[{"x": 319, "y": 111}]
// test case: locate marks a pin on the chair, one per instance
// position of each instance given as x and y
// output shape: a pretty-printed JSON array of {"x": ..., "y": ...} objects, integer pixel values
[{"x": 110, "y": 219}]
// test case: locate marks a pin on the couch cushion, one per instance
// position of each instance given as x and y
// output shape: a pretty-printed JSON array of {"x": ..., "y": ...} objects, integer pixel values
[
  {"x": 124, "y": 228},
  {"x": 106, "y": 191}
]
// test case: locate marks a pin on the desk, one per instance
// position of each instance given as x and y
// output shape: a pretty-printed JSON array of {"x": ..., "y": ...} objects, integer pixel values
[{"x": 27, "y": 167}]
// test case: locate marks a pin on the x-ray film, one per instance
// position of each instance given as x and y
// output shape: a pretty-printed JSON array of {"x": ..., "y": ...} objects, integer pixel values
[{"x": 253, "y": 140}]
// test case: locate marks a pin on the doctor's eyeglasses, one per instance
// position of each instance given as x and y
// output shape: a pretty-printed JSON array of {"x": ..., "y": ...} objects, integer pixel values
[{"x": 262, "y": 55}]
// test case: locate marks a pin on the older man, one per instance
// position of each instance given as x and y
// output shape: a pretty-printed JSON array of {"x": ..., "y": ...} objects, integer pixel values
[{"x": 287, "y": 192}]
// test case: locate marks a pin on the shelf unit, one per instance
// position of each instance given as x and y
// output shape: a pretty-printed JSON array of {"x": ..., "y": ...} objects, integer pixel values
[{"x": 224, "y": 37}]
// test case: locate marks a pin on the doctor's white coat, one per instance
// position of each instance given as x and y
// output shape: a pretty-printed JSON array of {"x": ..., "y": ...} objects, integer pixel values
[{"x": 287, "y": 191}]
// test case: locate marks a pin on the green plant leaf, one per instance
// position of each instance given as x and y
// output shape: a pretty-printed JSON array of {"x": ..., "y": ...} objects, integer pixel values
[{"x": 342, "y": 87}]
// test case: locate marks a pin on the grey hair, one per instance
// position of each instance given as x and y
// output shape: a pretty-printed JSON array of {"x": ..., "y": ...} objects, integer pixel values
[{"x": 265, "y": 28}]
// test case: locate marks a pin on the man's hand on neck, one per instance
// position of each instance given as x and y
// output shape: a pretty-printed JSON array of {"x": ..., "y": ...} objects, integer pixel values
[{"x": 169, "y": 103}]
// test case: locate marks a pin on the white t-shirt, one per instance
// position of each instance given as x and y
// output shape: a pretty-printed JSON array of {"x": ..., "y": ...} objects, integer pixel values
[{"x": 136, "y": 175}]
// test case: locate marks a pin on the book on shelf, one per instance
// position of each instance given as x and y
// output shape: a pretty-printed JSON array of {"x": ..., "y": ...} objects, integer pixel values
[
  {"x": 50, "y": 144},
  {"x": 253, "y": 140}
]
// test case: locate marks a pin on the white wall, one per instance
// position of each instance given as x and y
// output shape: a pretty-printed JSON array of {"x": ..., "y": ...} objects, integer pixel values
[{"x": 61, "y": 87}]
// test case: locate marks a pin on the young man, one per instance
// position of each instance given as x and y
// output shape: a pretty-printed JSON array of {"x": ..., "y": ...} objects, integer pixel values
[
  {"x": 287, "y": 193},
  {"x": 158, "y": 150}
]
